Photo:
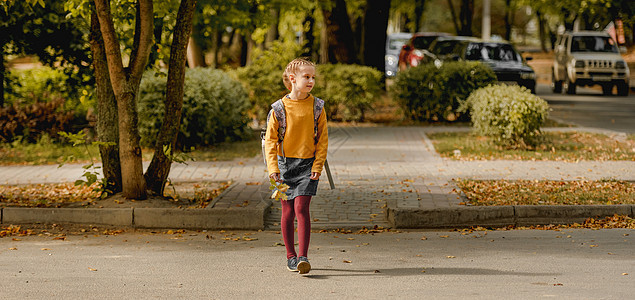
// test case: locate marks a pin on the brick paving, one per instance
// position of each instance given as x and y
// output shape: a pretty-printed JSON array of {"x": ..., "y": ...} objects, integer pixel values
[{"x": 373, "y": 168}]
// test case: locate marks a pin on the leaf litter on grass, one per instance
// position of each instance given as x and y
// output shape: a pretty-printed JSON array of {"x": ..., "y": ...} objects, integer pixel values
[{"x": 547, "y": 192}]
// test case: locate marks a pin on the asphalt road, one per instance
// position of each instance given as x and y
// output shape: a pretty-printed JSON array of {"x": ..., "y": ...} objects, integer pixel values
[
  {"x": 522, "y": 264},
  {"x": 589, "y": 108}
]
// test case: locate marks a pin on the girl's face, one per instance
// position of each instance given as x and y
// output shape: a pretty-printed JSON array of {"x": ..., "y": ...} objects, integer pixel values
[{"x": 304, "y": 79}]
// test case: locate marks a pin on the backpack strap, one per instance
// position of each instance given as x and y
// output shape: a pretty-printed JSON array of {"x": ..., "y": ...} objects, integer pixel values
[
  {"x": 278, "y": 109},
  {"x": 318, "y": 107}
]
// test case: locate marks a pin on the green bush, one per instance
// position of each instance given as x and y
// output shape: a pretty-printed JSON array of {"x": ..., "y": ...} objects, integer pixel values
[
  {"x": 45, "y": 84},
  {"x": 263, "y": 78},
  {"x": 348, "y": 90},
  {"x": 430, "y": 93},
  {"x": 214, "y": 108},
  {"x": 511, "y": 115}
]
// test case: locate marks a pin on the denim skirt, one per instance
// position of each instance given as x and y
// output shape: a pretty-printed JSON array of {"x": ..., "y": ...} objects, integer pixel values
[{"x": 296, "y": 173}]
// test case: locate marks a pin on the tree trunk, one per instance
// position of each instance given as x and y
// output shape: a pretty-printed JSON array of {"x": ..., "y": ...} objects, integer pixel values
[
  {"x": 2, "y": 70},
  {"x": 107, "y": 129},
  {"x": 309, "y": 37},
  {"x": 375, "y": 25},
  {"x": 159, "y": 168},
  {"x": 339, "y": 34},
  {"x": 457, "y": 27},
  {"x": 466, "y": 14},
  {"x": 419, "y": 7},
  {"x": 195, "y": 56},
  {"x": 508, "y": 19},
  {"x": 541, "y": 31},
  {"x": 125, "y": 85},
  {"x": 272, "y": 33}
]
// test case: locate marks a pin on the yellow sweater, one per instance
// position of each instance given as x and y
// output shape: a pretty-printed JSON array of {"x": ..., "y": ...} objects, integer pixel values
[{"x": 298, "y": 138}]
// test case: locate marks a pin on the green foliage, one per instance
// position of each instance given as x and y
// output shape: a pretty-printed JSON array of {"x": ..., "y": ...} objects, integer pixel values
[
  {"x": 263, "y": 78},
  {"x": 214, "y": 108},
  {"x": 430, "y": 93},
  {"x": 348, "y": 90},
  {"x": 511, "y": 115},
  {"x": 91, "y": 171}
]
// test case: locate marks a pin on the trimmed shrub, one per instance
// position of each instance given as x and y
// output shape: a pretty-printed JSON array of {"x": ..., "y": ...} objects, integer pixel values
[
  {"x": 45, "y": 84},
  {"x": 263, "y": 78},
  {"x": 512, "y": 115},
  {"x": 348, "y": 90},
  {"x": 214, "y": 108},
  {"x": 30, "y": 122},
  {"x": 430, "y": 93}
]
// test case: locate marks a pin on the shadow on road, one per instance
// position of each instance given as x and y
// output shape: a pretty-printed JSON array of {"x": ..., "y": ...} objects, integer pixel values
[{"x": 423, "y": 271}]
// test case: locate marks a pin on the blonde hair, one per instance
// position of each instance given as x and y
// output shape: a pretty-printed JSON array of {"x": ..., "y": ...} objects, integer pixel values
[{"x": 292, "y": 67}]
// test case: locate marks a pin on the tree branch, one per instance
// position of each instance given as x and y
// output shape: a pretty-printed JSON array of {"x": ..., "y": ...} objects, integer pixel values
[
  {"x": 140, "y": 59},
  {"x": 111, "y": 44},
  {"x": 453, "y": 12}
]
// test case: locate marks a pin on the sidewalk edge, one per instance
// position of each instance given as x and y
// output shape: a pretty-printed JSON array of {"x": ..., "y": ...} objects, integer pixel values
[{"x": 490, "y": 216}]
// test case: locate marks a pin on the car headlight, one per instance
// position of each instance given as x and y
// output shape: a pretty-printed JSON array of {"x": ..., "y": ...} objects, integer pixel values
[
  {"x": 528, "y": 75},
  {"x": 620, "y": 64},
  {"x": 579, "y": 64},
  {"x": 391, "y": 60}
]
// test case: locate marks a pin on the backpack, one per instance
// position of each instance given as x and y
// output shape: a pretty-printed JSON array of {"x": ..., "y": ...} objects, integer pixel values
[{"x": 277, "y": 108}]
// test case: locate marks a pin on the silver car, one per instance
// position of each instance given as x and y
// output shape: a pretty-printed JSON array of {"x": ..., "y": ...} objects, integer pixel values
[
  {"x": 588, "y": 58},
  {"x": 394, "y": 42}
]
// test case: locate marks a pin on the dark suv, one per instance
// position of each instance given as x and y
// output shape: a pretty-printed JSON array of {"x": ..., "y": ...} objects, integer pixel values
[{"x": 508, "y": 65}]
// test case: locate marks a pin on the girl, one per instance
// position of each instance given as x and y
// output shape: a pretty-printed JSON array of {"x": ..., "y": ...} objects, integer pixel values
[{"x": 295, "y": 156}]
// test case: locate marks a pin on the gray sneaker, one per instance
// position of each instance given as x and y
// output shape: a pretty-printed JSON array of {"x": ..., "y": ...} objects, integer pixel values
[
  {"x": 292, "y": 264},
  {"x": 303, "y": 265}
]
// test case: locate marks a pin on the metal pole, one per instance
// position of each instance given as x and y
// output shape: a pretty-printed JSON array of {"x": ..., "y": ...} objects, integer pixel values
[
  {"x": 486, "y": 28},
  {"x": 328, "y": 174}
]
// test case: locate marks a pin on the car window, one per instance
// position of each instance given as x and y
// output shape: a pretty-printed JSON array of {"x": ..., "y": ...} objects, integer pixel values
[
  {"x": 444, "y": 47},
  {"x": 495, "y": 52},
  {"x": 423, "y": 42},
  {"x": 396, "y": 43},
  {"x": 593, "y": 44}
]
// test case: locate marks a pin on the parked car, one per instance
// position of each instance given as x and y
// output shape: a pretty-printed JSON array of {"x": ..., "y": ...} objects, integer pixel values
[
  {"x": 506, "y": 62},
  {"x": 394, "y": 42},
  {"x": 416, "y": 49},
  {"x": 587, "y": 58}
]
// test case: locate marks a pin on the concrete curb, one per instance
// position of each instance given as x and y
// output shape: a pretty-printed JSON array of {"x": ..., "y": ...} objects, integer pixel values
[
  {"x": 486, "y": 216},
  {"x": 98, "y": 216},
  {"x": 232, "y": 218}
]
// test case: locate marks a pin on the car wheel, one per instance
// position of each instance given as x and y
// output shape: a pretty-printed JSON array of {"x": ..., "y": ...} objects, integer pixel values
[
  {"x": 622, "y": 89},
  {"x": 556, "y": 85},
  {"x": 569, "y": 86},
  {"x": 607, "y": 89}
]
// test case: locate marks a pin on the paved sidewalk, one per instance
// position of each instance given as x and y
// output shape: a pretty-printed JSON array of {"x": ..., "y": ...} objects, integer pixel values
[{"x": 374, "y": 168}]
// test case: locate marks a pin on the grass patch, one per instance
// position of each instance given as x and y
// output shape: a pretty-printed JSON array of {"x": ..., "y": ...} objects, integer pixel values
[
  {"x": 47, "y": 152},
  {"x": 528, "y": 192},
  {"x": 559, "y": 146}
]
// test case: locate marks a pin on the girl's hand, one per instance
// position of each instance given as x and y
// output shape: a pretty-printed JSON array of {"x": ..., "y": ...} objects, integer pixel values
[
  {"x": 275, "y": 177},
  {"x": 315, "y": 175}
]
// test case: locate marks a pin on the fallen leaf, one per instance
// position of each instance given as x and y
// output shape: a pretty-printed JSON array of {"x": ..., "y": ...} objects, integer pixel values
[
  {"x": 624, "y": 274},
  {"x": 444, "y": 236},
  {"x": 45, "y": 249},
  {"x": 15, "y": 239},
  {"x": 424, "y": 238},
  {"x": 61, "y": 238},
  {"x": 91, "y": 269},
  {"x": 346, "y": 261},
  {"x": 13, "y": 248},
  {"x": 451, "y": 256}
]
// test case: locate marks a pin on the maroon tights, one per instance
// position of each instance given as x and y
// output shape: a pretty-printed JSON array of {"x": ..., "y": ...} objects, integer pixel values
[{"x": 290, "y": 209}]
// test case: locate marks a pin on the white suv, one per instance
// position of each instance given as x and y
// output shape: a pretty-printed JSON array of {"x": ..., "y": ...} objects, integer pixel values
[{"x": 587, "y": 58}]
